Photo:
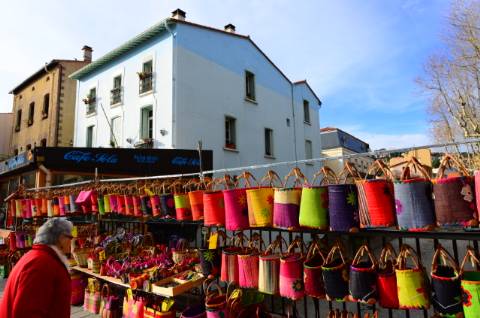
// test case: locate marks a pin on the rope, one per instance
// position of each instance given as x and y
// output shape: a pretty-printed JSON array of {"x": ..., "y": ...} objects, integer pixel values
[{"x": 375, "y": 153}]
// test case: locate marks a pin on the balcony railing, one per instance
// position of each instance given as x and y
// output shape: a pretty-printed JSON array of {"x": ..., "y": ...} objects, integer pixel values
[
  {"x": 115, "y": 96},
  {"x": 146, "y": 83}
]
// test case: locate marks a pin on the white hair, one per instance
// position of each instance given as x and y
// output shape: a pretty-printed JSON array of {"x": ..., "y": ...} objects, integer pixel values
[{"x": 49, "y": 233}]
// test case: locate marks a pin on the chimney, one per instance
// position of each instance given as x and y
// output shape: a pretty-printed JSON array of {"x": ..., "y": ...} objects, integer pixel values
[
  {"x": 87, "y": 53},
  {"x": 230, "y": 28},
  {"x": 179, "y": 14}
]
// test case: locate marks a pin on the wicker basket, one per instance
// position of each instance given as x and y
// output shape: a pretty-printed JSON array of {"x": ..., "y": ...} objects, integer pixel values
[{"x": 81, "y": 256}]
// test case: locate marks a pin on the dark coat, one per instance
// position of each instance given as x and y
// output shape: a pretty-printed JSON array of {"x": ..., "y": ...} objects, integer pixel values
[{"x": 38, "y": 286}]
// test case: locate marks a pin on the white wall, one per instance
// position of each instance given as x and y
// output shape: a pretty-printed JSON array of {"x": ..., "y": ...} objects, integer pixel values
[{"x": 130, "y": 109}]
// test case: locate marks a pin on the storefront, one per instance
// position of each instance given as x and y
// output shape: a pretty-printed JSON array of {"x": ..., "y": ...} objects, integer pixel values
[{"x": 58, "y": 165}]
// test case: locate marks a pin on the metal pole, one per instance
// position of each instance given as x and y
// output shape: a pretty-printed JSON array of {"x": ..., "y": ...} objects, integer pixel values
[{"x": 199, "y": 148}]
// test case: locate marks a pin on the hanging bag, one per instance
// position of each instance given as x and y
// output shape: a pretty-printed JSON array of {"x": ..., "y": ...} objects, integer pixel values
[
  {"x": 248, "y": 263},
  {"x": 269, "y": 267},
  {"x": 183, "y": 210},
  {"x": 229, "y": 267},
  {"x": 215, "y": 301},
  {"x": 414, "y": 199},
  {"x": 291, "y": 271},
  {"x": 236, "y": 208},
  {"x": 260, "y": 201},
  {"x": 446, "y": 290},
  {"x": 167, "y": 202},
  {"x": 470, "y": 285},
  {"x": 286, "y": 201},
  {"x": 342, "y": 202},
  {"x": 210, "y": 258},
  {"x": 412, "y": 282},
  {"x": 386, "y": 278},
  {"x": 196, "y": 198},
  {"x": 312, "y": 271},
  {"x": 363, "y": 277},
  {"x": 454, "y": 196},
  {"x": 335, "y": 275},
  {"x": 314, "y": 201},
  {"x": 378, "y": 194},
  {"x": 213, "y": 205}
]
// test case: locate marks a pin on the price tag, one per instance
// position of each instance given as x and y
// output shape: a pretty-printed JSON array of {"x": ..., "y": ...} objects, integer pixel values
[
  {"x": 167, "y": 304},
  {"x": 74, "y": 231},
  {"x": 101, "y": 255},
  {"x": 149, "y": 192},
  {"x": 129, "y": 294},
  {"x": 212, "y": 241}
]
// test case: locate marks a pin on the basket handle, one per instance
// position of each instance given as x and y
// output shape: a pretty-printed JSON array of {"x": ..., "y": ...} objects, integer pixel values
[
  {"x": 447, "y": 161},
  {"x": 380, "y": 166},
  {"x": 337, "y": 247},
  {"x": 296, "y": 243},
  {"x": 298, "y": 175},
  {"x": 271, "y": 176},
  {"x": 360, "y": 252},
  {"x": 175, "y": 184},
  {"x": 226, "y": 180},
  {"x": 328, "y": 175},
  {"x": 248, "y": 177},
  {"x": 440, "y": 252},
  {"x": 278, "y": 243},
  {"x": 470, "y": 255},
  {"x": 314, "y": 249},
  {"x": 415, "y": 164},
  {"x": 388, "y": 252},
  {"x": 349, "y": 170},
  {"x": 105, "y": 290},
  {"x": 256, "y": 243},
  {"x": 405, "y": 252}
]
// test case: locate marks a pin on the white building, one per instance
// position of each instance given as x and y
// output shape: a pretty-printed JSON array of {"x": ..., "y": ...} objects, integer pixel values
[{"x": 179, "y": 82}]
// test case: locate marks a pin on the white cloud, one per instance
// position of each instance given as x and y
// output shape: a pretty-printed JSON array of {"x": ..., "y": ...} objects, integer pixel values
[{"x": 393, "y": 141}]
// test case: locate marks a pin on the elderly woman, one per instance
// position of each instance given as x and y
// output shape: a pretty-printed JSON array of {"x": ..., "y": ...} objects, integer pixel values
[{"x": 39, "y": 284}]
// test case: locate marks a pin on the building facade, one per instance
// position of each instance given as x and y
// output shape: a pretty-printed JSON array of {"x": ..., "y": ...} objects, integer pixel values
[
  {"x": 6, "y": 123},
  {"x": 178, "y": 83},
  {"x": 43, "y": 106},
  {"x": 336, "y": 142}
]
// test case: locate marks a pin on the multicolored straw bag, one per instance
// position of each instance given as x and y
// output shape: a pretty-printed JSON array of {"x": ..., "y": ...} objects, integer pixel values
[
  {"x": 335, "y": 275},
  {"x": 210, "y": 258},
  {"x": 269, "y": 267},
  {"x": 378, "y": 196},
  {"x": 343, "y": 202},
  {"x": 446, "y": 290},
  {"x": 236, "y": 207},
  {"x": 454, "y": 196},
  {"x": 412, "y": 283},
  {"x": 196, "y": 198},
  {"x": 213, "y": 205},
  {"x": 91, "y": 302},
  {"x": 229, "y": 267},
  {"x": 167, "y": 202},
  {"x": 312, "y": 271},
  {"x": 78, "y": 288},
  {"x": 386, "y": 278},
  {"x": 109, "y": 304},
  {"x": 260, "y": 201},
  {"x": 314, "y": 201},
  {"x": 414, "y": 199},
  {"x": 248, "y": 263},
  {"x": 363, "y": 277},
  {"x": 470, "y": 284},
  {"x": 286, "y": 201},
  {"x": 291, "y": 271},
  {"x": 183, "y": 210},
  {"x": 197, "y": 311},
  {"x": 215, "y": 300}
]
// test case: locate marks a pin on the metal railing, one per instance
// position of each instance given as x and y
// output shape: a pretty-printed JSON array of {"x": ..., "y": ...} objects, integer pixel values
[
  {"x": 115, "y": 95},
  {"x": 146, "y": 83}
]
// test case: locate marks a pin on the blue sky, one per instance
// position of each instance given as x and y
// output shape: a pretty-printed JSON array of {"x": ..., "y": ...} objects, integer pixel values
[{"x": 360, "y": 57}]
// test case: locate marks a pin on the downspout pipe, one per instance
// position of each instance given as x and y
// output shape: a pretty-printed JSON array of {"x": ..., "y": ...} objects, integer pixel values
[
  {"x": 48, "y": 174},
  {"x": 294, "y": 125},
  {"x": 174, "y": 86},
  {"x": 57, "y": 113}
]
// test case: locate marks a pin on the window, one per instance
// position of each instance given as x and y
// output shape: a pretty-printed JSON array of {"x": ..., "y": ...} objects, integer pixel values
[
  {"x": 116, "y": 132},
  {"x": 288, "y": 122},
  {"x": 116, "y": 92},
  {"x": 91, "y": 101},
  {"x": 31, "y": 112},
  {"x": 308, "y": 149},
  {"x": 249, "y": 85},
  {"x": 89, "y": 142},
  {"x": 29, "y": 147},
  {"x": 19, "y": 120},
  {"x": 230, "y": 134},
  {"x": 43, "y": 142},
  {"x": 146, "y": 76},
  {"x": 146, "y": 127},
  {"x": 268, "y": 142},
  {"x": 15, "y": 152},
  {"x": 306, "y": 112},
  {"x": 46, "y": 105}
]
